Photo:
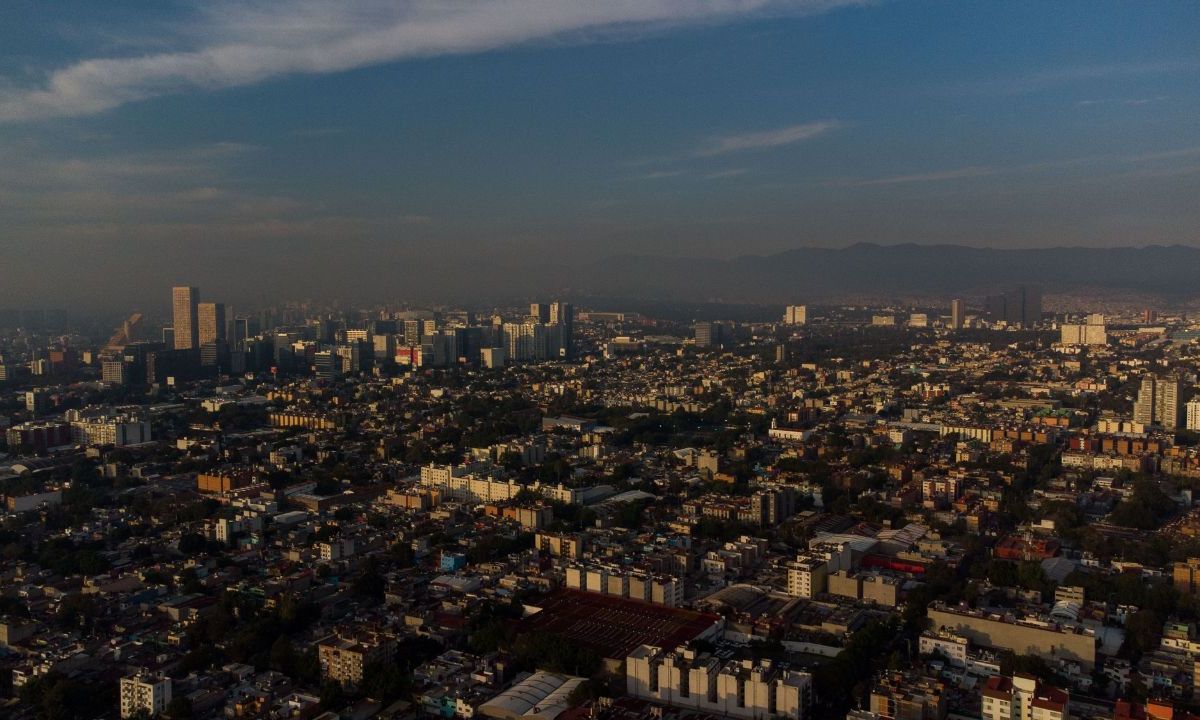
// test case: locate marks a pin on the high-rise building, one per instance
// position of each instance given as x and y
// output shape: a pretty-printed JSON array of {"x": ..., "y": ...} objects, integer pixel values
[
  {"x": 525, "y": 341},
  {"x": 795, "y": 315},
  {"x": 562, "y": 315},
  {"x": 1021, "y": 306},
  {"x": 211, "y": 322},
  {"x": 711, "y": 335},
  {"x": 412, "y": 332},
  {"x": 1186, "y": 576},
  {"x": 1091, "y": 332},
  {"x": 539, "y": 312},
  {"x": 1193, "y": 414},
  {"x": 326, "y": 365},
  {"x": 184, "y": 301},
  {"x": 492, "y": 357},
  {"x": 958, "y": 315},
  {"x": 1160, "y": 401},
  {"x": 241, "y": 331},
  {"x": 37, "y": 401},
  {"x": 114, "y": 371}
]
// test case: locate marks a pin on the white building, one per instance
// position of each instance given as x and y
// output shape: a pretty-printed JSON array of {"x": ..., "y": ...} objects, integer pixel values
[
  {"x": 1193, "y": 414},
  {"x": 120, "y": 429},
  {"x": 951, "y": 646},
  {"x": 796, "y": 315},
  {"x": 1022, "y": 697},
  {"x": 461, "y": 483},
  {"x": 146, "y": 692},
  {"x": 683, "y": 678},
  {"x": 1091, "y": 332},
  {"x": 626, "y": 583},
  {"x": 807, "y": 577}
]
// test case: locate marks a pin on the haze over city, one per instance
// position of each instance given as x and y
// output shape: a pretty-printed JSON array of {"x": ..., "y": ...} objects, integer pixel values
[
  {"x": 372, "y": 148},
  {"x": 599, "y": 360}
]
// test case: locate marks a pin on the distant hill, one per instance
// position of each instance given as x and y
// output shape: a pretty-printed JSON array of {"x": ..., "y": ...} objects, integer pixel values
[{"x": 868, "y": 270}]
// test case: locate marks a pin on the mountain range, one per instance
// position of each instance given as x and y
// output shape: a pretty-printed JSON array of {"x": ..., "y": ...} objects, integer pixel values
[{"x": 877, "y": 271}]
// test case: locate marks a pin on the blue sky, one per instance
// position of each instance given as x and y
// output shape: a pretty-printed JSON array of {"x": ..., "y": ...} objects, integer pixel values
[{"x": 437, "y": 132}]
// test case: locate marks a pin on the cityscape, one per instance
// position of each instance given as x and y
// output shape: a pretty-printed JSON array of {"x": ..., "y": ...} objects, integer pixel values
[
  {"x": 548, "y": 511},
  {"x": 599, "y": 360}
]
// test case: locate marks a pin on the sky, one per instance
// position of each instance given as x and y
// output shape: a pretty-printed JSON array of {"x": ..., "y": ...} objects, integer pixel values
[{"x": 334, "y": 147}]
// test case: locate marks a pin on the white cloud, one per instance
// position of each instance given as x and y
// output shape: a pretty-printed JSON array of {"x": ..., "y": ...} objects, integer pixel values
[
  {"x": 938, "y": 176},
  {"x": 236, "y": 44},
  {"x": 767, "y": 138}
]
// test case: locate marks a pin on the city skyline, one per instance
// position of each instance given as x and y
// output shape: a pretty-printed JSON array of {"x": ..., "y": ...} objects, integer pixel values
[
  {"x": 374, "y": 145},
  {"x": 599, "y": 359}
]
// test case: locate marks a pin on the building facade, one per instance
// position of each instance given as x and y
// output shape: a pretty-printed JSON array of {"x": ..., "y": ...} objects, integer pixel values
[
  {"x": 185, "y": 314},
  {"x": 144, "y": 692}
]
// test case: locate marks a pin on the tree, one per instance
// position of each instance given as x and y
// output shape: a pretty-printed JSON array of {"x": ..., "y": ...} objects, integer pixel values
[
  {"x": 192, "y": 544},
  {"x": 385, "y": 682},
  {"x": 180, "y": 708},
  {"x": 332, "y": 696},
  {"x": 283, "y": 656},
  {"x": 369, "y": 584}
]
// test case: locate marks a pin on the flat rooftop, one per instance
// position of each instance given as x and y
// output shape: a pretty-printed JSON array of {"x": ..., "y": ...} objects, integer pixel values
[{"x": 614, "y": 626}]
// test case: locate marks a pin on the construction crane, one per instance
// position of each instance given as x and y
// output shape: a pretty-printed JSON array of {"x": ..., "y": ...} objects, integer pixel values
[{"x": 126, "y": 333}]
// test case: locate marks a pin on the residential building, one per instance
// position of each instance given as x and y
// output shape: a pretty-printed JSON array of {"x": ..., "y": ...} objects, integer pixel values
[
  {"x": 1023, "y": 697},
  {"x": 807, "y": 576},
  {"x": 144, "y": 692},
  {"x": 344, "y": 658},
  {"x": 1160, "y": 402},
  {"x": 687, "y": 679}
]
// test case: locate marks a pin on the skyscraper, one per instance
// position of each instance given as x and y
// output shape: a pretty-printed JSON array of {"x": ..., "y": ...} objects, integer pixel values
[
  {"x": 187, "y": 328},
  {"x": 958, "y": 314},
  {"x": 1160, "y": 401},
  {"x": 795, "y": 315},
  {"x": 562, "y": 314},
  {"x": 540, "y": 312},
  {"x": 211, "y": 322},
  {"x": 710, "y": 334},
  {"x": 1019, "y": 306}
]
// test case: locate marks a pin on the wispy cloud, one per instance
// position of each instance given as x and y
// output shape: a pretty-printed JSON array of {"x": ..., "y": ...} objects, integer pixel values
[
  {"x": 937, "y": 176},
  {"x": 730, "y": 173},
  {"x": 239, "y": 43},
  {"x": 44, "y": 194},
  {"x": 1129, "y": 102},
  {"x": 1165, "y": 162},
  {"x": 767, "y": 138},
  {"x": 662, "y": 174}
]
